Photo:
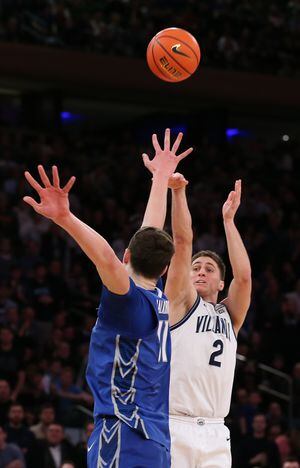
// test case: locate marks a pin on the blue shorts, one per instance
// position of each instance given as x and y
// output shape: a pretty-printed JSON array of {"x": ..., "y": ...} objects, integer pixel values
[{"x": 113, "y": 444}]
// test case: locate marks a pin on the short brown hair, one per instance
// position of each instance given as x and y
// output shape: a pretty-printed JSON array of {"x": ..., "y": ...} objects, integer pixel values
[
  {"x": 215, "y": 257},
  {"x": 151, "y": 251}
]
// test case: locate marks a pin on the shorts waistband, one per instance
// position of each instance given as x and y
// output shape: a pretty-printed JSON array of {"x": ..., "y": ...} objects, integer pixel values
[{"x": 197, "y": 420}]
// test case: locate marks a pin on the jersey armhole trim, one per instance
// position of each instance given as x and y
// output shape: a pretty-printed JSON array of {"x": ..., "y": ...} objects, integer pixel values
[
  {"x": 188, "y": 314},
  {"x": 235, "y": 335},
  {"x": 224, "y": 305},
  {"x": 213, "y": 304}
]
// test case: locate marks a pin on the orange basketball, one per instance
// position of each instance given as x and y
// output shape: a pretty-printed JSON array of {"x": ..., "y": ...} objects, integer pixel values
[{"x": 173, "y": 54}]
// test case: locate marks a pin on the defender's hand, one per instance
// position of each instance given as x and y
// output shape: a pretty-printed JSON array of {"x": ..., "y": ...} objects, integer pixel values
[
  {"x": 165, "y": 160},
  {"x": 233, "y": 201},
  {"x": 54, "y": 200}
]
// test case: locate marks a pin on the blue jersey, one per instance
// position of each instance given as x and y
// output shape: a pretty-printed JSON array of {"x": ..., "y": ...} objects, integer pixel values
[{"x": 129, "y": 363}]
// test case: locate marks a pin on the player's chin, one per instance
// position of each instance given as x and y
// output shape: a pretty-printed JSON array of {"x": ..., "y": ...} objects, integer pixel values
[{"x": 200, "y": 287}]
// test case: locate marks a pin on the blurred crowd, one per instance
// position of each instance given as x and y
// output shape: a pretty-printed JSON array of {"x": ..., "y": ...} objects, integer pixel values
[
  {"x": 49, "y": 291},
  {"x": 261, "y": 36}
]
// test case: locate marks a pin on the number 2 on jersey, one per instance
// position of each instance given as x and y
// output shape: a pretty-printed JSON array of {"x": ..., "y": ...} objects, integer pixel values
[{"x": 220, "y": 347}]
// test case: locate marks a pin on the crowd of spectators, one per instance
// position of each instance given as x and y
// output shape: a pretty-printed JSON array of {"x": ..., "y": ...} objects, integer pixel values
[
  {"x": 258, "y": 35},
  {"x": 49, "y": 291}
]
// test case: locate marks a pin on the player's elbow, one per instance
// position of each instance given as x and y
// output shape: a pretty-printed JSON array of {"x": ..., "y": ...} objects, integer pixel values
[
  {"x": 244, "y": 278},
  {"x": 106, "y": 261},
  {"x": 183, "y": 239}
]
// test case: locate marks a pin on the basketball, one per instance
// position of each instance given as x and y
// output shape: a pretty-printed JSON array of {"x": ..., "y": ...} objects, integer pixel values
[{"x": 173, "y": 54}]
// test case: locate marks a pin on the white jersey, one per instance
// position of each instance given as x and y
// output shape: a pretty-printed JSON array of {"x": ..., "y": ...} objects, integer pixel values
[{"x": 203, "y": 362}]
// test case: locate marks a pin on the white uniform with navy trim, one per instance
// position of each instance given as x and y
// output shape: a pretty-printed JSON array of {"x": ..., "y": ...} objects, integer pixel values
[{"x": 202, "y": 371}]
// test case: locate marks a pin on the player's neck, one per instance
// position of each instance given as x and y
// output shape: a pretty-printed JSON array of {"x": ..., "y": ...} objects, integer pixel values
[
  {"x": 141, "y": 281},
  {"x": 211, "y": 298}
]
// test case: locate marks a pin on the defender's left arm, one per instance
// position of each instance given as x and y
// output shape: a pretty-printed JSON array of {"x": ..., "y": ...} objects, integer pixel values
[{"x": 239, "y": 293}]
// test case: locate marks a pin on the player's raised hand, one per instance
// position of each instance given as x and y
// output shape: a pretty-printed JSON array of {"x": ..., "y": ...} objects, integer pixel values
[
  {"x": 165, "y": 159},
  {"x": 233, "y": 201},
  {"x": 177, "y": 181},
  {"x": 54, "y": 199}
]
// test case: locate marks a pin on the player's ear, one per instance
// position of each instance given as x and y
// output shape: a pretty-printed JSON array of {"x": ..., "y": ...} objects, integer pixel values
[
  {"x": 126, "y": 256},
  {"x": 221, "y": 285}
]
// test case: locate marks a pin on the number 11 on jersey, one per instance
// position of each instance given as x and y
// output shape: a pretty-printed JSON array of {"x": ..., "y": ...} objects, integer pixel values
[{"x": 162, "y": 333}]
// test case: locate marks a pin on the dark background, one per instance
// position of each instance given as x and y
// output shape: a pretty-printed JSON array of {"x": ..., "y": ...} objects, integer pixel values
[{"x": 75, "y": 90}]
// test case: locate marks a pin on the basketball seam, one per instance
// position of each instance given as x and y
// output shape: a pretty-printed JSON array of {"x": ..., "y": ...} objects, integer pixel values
[
  {"x": 187, "y": 45},
  {"x": 161, "y": 70},
  {"x": 171, "y": 56}
]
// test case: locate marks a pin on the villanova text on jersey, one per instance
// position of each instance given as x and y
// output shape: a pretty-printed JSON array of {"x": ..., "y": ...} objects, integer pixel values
[
  {"x": 129, "y": 374},
  {"x": 214, "y": 323}
]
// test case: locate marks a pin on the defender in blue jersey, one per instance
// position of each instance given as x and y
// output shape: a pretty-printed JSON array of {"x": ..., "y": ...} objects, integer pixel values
[{"x": 129, "y": 358}]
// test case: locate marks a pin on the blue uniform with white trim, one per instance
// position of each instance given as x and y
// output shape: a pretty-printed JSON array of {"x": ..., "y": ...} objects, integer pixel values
[{"x": 128, "y": 373}]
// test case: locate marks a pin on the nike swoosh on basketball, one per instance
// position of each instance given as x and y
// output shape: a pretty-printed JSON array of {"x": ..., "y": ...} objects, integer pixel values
[
  {"x": 176, "y": 49},
  {"x": 90, "y": 447}
]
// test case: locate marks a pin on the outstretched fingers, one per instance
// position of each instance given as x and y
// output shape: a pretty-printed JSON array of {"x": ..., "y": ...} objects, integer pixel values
[
  {"x": 238, "y": 188},
  {"x": 147, "y": 162},
  {"x": 185, "y": 154},
  {"x": 34, "y": 183},
  {"x": 43, "y": 176},
  {"x": 31, "y": 202},
  {"x": 56, "y": 181},
  {"x": 155, "y": 143},
  {"x": 69, "y": 184},
  {"x": 231, "y": 197},
  {"x": 167, "y": 140},
  {"x": 177, "y": 142}
]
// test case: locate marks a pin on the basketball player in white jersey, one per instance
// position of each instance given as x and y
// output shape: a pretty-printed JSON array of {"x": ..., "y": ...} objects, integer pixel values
[{"x": 203, "y": 334}]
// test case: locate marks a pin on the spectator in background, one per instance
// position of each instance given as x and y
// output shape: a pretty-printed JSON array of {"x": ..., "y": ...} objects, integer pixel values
[
  {"x": 29, "y": 329},
  {"x": 291, "y": 462},
  {"x": 16, "y": 284},
  {"x": 12, "y": 318},
  {"x": 42, "y": 294},
  {"x": 51, "y": 452},
  {"x": 64, "y": 355},
  {"x": 10, "y": 455},
  {"x": 275, "y": 415},
  {"x": 5, "y": 401},
  {"x": 34, "y": 394},
  {"x": 52, "y": 375},
  {"x": 69, "y": 395},
  {"x": 284, "y": 446},
  {"x": 68, "y": 464},
  {"x": 11, "y": 362},
  {"x": 5, "y": 300},
  {"x": 256, "y": 450},
  {"x": 16, "y": 430},
  {"x": 46, "y": 417}
]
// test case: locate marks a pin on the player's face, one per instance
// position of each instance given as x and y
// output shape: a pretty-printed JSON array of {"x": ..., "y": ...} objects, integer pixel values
[{"x": 206, "y": 277}]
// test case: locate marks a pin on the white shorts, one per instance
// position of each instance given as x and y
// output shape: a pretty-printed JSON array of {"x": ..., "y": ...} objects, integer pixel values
[{"x": 199, "y": 443}]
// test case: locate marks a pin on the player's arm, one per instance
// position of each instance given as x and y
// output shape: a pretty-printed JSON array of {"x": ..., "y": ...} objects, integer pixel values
[
  {"x": 239, "y": 293},
  {"x": 54, "y": 204},
  {"x": 162, "y": 167},
  {"x": 179, "y": 288}
]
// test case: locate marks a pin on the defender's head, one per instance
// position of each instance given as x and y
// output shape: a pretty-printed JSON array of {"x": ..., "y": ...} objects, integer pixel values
[
  {"x": 149, "y": 252},
  {"x": 208, "y": 273}
]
